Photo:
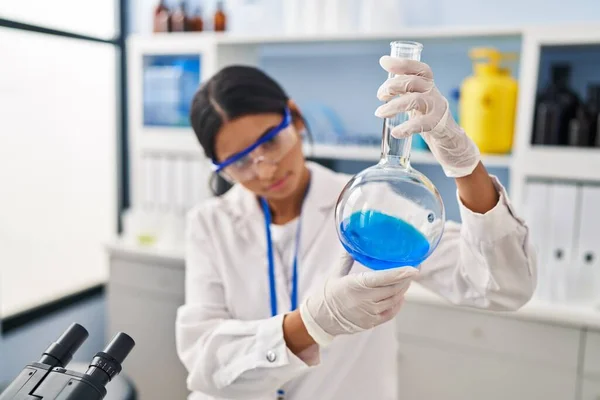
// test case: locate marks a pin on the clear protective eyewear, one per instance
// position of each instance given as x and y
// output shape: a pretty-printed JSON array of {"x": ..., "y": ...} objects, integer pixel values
[{"x": 270, "y": 148}]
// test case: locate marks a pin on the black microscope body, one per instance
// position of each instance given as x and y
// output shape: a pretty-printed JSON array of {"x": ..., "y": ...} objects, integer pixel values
[{"x": 48, "y": 379}]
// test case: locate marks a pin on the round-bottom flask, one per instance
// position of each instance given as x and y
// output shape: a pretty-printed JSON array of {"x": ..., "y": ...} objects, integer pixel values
[{"x": 390, "y": 215}]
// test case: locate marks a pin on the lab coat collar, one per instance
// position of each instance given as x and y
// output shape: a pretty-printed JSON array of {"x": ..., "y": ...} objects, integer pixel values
[{"x": 324, "y": 190}]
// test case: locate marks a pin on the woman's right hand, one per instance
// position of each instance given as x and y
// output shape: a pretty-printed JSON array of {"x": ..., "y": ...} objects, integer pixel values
[{"x": 356, "y": 302}]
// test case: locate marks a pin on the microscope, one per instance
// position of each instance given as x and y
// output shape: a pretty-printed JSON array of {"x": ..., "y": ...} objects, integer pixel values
[{"x": 48, "y": 379}]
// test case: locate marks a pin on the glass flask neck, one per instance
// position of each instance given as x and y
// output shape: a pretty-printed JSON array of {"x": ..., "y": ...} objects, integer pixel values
[{"x": 395, "y": 152}]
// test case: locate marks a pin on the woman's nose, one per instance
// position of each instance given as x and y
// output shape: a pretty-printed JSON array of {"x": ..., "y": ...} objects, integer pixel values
[{"x": 265, "y": 169}]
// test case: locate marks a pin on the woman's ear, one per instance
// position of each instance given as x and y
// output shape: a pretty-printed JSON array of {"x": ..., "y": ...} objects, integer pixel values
[{"x": 296, "y": 116}]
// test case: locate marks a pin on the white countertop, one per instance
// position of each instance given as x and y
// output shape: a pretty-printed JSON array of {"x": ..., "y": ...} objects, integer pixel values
[
  {"x": 535, "y": 310},
  {"x": 172, "y": 255}
]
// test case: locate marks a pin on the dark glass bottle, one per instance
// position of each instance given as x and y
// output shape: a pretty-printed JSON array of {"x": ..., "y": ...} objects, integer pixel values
[
  {"x": 580, "y": 130},
  {"x": 556, "y": 107},
  {"x": 220, "y": 19},
  {"x": 161, "y": 17},
  {"x": 583, "y": 129},
  {"x": 593, "y": 109},
  {"x": 196, "y": 22},
  {"x": 179, "y": 19}
]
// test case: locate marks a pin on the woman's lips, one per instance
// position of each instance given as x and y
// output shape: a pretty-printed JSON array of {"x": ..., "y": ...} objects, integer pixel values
[{"x": 279, "y": 183}]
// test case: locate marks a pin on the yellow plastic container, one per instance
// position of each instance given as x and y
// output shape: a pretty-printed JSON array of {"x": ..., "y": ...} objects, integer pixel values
[{"x": 488, "y": 102}]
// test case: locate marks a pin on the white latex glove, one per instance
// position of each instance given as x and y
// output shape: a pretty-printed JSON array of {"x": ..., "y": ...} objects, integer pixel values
[
  {"x": 430, "y": 116},
  {"x": 356, "y": 302}
]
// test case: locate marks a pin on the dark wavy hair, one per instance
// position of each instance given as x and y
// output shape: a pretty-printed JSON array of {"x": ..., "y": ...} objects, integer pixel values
[{"x": 234, "y": 92}]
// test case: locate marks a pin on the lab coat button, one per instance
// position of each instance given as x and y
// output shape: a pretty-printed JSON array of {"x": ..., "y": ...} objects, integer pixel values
[{"x": 271, "y": 356}]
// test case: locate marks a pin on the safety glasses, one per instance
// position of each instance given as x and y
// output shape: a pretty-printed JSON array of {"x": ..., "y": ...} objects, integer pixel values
[{"x": 270, "y": 148}]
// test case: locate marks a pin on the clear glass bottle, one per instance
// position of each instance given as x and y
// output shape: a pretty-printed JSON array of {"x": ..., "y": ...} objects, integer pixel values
[
  {"x": 161, "y": 21},
  {"x": 179, "y": 19},
  {"x": 390, "y": 215}
]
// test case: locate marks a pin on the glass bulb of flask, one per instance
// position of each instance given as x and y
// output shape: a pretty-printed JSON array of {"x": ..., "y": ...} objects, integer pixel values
[{"x": 390, "y": 215}]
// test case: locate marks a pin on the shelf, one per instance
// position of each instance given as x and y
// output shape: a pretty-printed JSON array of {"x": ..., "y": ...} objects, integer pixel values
[
  {"x": 232, "y": 44},
  {"x": 560, "y": 162},
  {"x": 343, "y": 152},
  {"x": 178, "y": 40},
  {"x": 373, "y": 153},
  {"x": 415, "y": 33},
  {"x": 182, "y": 141}
]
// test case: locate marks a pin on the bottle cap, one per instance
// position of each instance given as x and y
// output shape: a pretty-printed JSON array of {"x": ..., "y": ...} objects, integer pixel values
[
  {"x": 487, "y": 60},
  {"x": 560, "y": 72}
]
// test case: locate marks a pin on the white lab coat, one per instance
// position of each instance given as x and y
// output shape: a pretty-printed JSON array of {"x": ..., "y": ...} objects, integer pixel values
[{"x": 234, "y": 349}]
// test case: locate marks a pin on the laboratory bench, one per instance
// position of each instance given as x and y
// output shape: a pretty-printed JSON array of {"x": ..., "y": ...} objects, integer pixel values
[{"x": 446, "y": 352}]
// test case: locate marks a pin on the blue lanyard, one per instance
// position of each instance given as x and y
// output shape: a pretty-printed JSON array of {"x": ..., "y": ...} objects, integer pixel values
[{"x": 272, "y": 289}]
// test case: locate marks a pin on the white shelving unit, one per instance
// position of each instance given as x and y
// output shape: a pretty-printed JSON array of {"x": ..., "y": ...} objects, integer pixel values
[
  {"x": 217, "y": 50},
  {"x": 220, "y": 49}
]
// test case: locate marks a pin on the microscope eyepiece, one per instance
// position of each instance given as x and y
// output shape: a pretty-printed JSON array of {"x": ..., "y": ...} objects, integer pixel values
[
  {"x": 107, "y": 364},
  {"x": 60, "y": 353},
  {"x": 51, "y": 379},
  {"x": 120, "y": 347}
]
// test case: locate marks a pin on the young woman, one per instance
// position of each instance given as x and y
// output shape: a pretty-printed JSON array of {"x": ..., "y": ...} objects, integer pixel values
[{"x": 274, "y": 306}]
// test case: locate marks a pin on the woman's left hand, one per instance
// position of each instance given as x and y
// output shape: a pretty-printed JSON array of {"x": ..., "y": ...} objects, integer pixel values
[{"x": 430, "y": 115}]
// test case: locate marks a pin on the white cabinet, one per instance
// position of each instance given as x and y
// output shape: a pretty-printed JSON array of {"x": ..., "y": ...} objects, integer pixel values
[
  {"x": 591, "y": 364},
  {"x": 435, "y": 370},
  {"x": 590, "y": 386},
  {"x": 590, "y": 390},
  {"x": 488, "y": 332},
  {"x": 450, "y": 354},
  {"x": 143, "y": 296}
]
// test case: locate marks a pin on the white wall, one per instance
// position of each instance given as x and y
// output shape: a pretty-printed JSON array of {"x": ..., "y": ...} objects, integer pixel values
[{"x": 58, "y": 166}]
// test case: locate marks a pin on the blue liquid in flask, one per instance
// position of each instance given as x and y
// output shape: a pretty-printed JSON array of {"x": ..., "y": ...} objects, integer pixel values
[{"x": 380, "y": 241}]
